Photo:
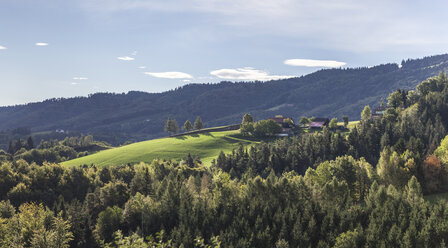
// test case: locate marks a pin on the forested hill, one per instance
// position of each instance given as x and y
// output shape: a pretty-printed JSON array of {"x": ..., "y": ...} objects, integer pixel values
[{"x": 139, "y": 115}]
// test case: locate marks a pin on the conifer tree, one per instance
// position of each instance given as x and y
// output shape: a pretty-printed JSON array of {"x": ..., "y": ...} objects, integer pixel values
[
  {"x": 174, "y": 126},
  {"x": 168, "y": 125},
  {"x": 171, "y": 126},
  {"x": 198, "y": 125},
  {"x": 187, "y": 126},
  {"x": 345, "y": 120},
  {"x": 30, "y": 143}
]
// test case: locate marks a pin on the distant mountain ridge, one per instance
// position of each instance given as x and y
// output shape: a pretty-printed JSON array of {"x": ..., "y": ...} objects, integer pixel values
[{"x": 140, "y": 116}]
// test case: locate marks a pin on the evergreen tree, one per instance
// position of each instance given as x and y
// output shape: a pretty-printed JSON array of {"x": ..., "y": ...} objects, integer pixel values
[
  {"x": 30, "y": 143},
  {"x": 187, "y": 126},
  {"x": 10, "y": 147},
  {"x": 198, "y": 125},
  {"x": 171, "y": 126},
  {"x": 189, "y": 160},
  {"x": 175, "y": 126},
  {"x": 345, "y": 120}
]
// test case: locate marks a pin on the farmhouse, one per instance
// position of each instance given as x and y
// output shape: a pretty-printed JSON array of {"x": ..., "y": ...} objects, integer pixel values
[
  {"x": 319, "y": 123},
  {"x": 287, "y": 124}
]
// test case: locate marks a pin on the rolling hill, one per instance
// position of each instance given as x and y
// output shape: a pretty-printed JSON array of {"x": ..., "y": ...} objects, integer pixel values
[
  {"x": 206, "y": 145},
  {"x": 138, "y": 116}
]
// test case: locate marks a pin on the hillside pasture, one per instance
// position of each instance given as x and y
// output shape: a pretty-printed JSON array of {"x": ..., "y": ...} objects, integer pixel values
[{"x": 206, "y": 146}]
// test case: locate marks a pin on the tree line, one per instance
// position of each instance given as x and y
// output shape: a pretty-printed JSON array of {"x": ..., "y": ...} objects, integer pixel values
[
  {"x": 171, "y": 126},
  {"x": 363, "y": 188}
]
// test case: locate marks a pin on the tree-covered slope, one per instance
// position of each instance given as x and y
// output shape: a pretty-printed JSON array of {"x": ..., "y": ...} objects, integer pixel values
[{"x": 139, "y": 116}]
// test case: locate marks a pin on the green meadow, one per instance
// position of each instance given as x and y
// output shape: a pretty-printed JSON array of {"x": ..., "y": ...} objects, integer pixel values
[{"x": 206, "y": 145}]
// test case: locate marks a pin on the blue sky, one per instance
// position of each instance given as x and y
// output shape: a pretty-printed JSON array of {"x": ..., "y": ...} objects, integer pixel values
[{"x": 55, "y": 48}]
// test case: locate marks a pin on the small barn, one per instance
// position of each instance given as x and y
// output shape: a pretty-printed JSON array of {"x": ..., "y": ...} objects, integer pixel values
[
  {"x": 285, "y": 124},
  {"x": 319, "y": 123}
]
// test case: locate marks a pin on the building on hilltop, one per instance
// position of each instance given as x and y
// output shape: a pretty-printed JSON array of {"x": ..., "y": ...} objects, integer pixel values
[
  {"x": 319, "y": 123},
  {"x": 287, "y": 124}
]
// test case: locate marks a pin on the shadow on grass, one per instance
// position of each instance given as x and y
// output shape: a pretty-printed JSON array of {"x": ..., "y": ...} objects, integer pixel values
[
  {"x": 181, "y": 137},
  {"x": 251, "y": 138},
  {"x": 233, "y": 141}
]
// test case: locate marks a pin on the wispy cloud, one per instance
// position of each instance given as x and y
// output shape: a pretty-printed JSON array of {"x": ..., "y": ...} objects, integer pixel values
[
  {"x": 169, "y": 74},
  {"x": 41, "y": 44},
  {"x": 80, "y": 78},
  {"x": 186, "y": 80},
  {"x": 3, "y": 48},
  {"x": 141, "y": 67},
  {"x": 314, "y": 63},
  {"x": 126, "y": 58},
  {"x": 74, "y": 83},
  {"x": 246, "y": 73},
  {"x": 349, "y": 25},
  {"x": 134, "y": 53}
]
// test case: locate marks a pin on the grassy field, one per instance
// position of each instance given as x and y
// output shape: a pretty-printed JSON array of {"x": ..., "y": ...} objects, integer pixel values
[
  {"x": 351, "y": 124},
  {"x": 207, "y": 146}
]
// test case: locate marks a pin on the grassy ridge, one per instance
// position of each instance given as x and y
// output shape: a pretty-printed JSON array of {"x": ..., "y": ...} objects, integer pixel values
[{"x": 207, "y": 146}]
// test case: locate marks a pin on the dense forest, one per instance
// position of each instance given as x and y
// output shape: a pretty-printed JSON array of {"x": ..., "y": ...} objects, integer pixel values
[
  {"x": 137, "y": 116},
  {"x": 322, "y": 189}
]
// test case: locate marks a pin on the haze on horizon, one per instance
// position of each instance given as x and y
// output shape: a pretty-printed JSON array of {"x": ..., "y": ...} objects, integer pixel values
[{"x": 54, "y": 48}]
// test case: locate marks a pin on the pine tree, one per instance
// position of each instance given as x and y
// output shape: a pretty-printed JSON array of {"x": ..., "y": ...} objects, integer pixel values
[
  {"x": 168, "y": 125},
  {"x": 189, "y": 160},
  {"x": 187, "y": 126},
  {"x": 345, "y": 120},
  {"x": 171, "y": 126},
  {"x": 174, "y": 126},
  {"x": 198, "y": 125},
  {"x": 11, "y": 147},
  {"x": 30, "y": 143}
]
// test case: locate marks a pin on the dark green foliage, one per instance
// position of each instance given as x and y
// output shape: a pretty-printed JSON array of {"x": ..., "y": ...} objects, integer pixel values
[
  {"x": 363, "y": 188},
  {"x": 247, "y": 129},
  {"x": 304, "y": 120},
  {"x": 171, "y": 126},
  {"x": 54, "y": 150},
  {"x": 187, "y": 126},
  {"x": 333, "y": 123},
  {"x": 247, "y": 118},
  {"x": 198, "y": 125},
  {"x": 345, "y": 120},
  {"x": 337, "y": 204},
  {"x": 366, "y": 114},
  {"x": 264, "y": 128}
]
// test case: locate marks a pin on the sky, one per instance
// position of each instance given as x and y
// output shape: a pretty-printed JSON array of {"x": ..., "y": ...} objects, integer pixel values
[{"x": 66, "y": 48}]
